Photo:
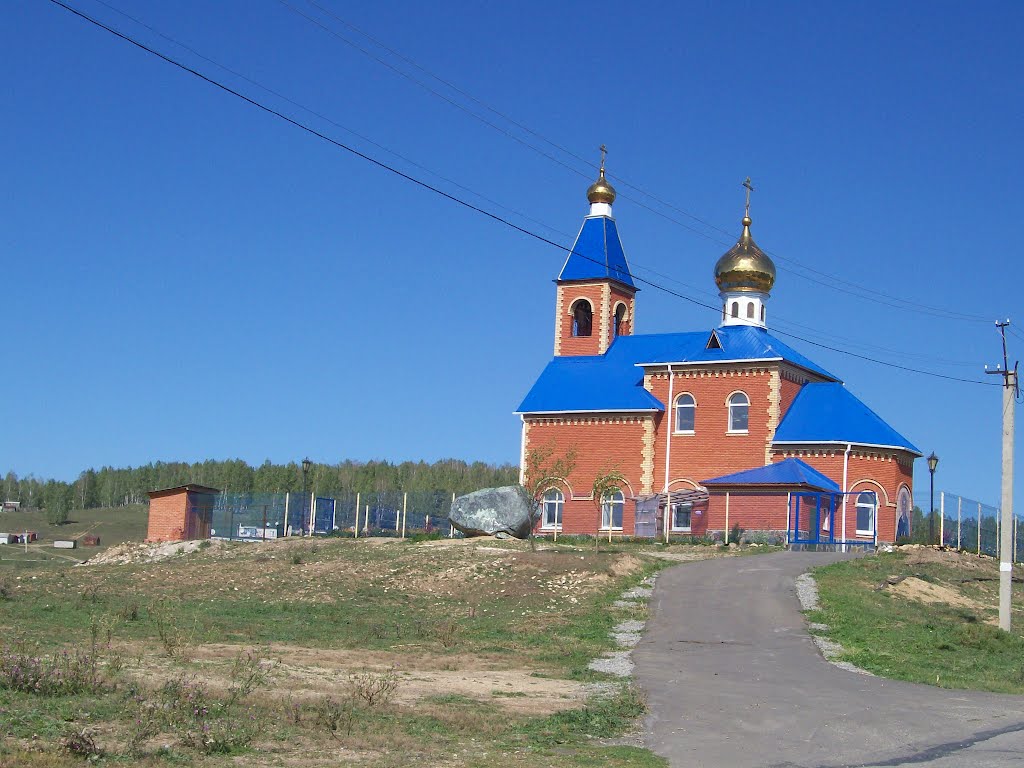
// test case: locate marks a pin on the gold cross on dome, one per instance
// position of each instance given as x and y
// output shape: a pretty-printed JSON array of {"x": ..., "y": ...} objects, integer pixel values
[
  {"x": 750, "y": 188},
  {"x": 604, "y": 154}
]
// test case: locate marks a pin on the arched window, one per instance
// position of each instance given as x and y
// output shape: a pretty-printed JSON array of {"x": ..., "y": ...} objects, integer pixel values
[
  {"x": 620, "y": 319},
  {"x": 611, "y": 511},
  {"x": 866, "y": 504},
  {"x": 735, "y": 309},
  {"x": 762, "y": 313},
  {"x": 553, "y": 502},
  {"x": 686, "y": 408},
  {"x": 582, "y": 318},
  {"x": 739, "y": 412},
  {"x": 750, "y": 310}
]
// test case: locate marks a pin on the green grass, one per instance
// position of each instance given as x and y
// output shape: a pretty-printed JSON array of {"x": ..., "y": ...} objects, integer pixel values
[
  {"x": 381, "y": 599},
  {"x": 113, "y": 525},
  {"x": 934, "y": 643}
]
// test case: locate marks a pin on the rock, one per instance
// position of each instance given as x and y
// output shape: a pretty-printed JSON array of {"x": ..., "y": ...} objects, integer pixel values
[{"x": 491, "y": 511}]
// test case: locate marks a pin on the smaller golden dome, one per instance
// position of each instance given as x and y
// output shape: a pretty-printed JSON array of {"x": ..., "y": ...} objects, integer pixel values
[
  {"x": 601, "y": 191},
  {"x": 745, "y": 267}
]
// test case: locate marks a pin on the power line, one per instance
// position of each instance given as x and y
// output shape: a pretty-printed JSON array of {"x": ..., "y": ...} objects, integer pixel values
[
  {"x": 451, "y": 197},
  {"x": 278, "y": 94},
  {"x": 854, "y": 289}
]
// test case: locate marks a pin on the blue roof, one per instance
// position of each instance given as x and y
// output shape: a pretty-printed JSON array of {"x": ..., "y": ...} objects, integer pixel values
[
  {"x": 829, "y": 413},
  {"x": 789, "y": 472},
  {"x": 613, "y": 382},
  {"x": 597, "y": 253},
  {"x": 738, "y": 342}
]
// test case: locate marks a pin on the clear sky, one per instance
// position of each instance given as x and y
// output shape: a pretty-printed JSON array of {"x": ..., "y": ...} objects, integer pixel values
[{"x": 186, "y": 277}]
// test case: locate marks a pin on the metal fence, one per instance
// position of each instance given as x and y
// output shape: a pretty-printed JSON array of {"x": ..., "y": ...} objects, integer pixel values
[
  {"x": 261, "y": 516},
  {"x": 973, "y": 526}
]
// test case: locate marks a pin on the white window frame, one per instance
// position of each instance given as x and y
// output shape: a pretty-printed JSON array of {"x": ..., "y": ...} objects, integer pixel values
[
  {"x": 558, "y": 501},
  {"x": 873, "y": 506},
  {"x": 676, "y": 528},
  {"x": 608, "y": 504},
  {"x": 729, "y": 404},
  {"x": 675, "y": 414}
]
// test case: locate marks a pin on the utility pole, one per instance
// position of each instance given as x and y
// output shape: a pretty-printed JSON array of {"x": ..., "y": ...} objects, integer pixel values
[{"x": 1011, "y": 391}]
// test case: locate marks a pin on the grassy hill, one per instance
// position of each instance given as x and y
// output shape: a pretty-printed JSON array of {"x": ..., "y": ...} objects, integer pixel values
[{"x": 113, "y": 525}]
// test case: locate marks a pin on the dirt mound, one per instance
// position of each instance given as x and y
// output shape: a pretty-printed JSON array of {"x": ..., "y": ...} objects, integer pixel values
[
  {"x": 130, "y": 552},
  {"x": 923, "y": 591}
]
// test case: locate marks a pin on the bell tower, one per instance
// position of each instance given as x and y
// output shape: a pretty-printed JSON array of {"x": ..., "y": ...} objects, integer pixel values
[{"x": 595, "y": 300}]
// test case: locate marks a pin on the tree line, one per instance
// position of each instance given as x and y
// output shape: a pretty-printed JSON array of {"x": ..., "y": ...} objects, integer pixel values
[{"x": 115, "y": 487}]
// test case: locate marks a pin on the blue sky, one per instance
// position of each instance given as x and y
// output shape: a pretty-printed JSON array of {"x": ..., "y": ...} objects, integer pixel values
[{"x": 187, "y": 277}]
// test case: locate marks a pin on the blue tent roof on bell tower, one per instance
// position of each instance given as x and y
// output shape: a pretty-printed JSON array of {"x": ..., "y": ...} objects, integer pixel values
[{"x": 597, "y": 254}]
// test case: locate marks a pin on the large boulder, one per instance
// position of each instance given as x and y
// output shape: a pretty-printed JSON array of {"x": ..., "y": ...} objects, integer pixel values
[{"x": 492, "y": 510}]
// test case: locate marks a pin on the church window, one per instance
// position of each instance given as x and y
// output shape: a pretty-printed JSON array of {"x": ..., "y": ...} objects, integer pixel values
[
  {"x": 739, "y": 412},
  {"x": 554, "y": 500},
  {"x": 682, "y": 514},
  {"x": 762, "y": 313},
  {"x": 582, "y": 318},
  {"x": 735, "y": 309},
  {"x": 620, "y": 319},
  {"x": 750, "y": 310},
  {"x": 686, "y": 408},
  {"x": 611, "y": 511},
  {"x": 866, "y": 503}
]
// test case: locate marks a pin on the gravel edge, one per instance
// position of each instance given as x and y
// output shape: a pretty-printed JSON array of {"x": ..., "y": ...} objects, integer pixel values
[{"x": 807, "y": 594}]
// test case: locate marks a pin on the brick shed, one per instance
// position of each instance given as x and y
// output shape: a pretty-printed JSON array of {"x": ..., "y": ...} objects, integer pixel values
[{"x": 181, "y": 513}]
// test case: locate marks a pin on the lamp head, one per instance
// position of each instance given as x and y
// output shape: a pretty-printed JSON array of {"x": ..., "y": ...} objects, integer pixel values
[{"x": 933, "y": 462}]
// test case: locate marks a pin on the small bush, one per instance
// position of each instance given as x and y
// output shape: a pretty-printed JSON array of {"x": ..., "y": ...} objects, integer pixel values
[
  {"x": 6, "y": 591},
  {"x": 82, "y": 744},
  {"x": 334, "y": 716},
  {"x": 65, "y": 673},
  {"x": 374, "y": 689}
]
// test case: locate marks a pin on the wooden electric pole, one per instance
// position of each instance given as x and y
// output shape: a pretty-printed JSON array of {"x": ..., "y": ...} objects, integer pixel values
[{"x": 1010, "y": 393}]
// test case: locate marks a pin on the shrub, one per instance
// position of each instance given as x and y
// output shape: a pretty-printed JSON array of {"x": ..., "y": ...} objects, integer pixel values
[
  {"x": 64, "y": 673},
  {"x": 82, "y": 744},
  {"x": 374, "y": 689}
]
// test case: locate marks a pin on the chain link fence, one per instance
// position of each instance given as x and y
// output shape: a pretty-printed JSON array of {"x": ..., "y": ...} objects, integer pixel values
[
  {"x": 261, "y": 516},
  {"x": 973, "y": 526}
]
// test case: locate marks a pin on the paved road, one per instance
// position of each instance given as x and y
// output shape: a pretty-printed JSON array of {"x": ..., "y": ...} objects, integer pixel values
[{"x": 733, "y": 680}]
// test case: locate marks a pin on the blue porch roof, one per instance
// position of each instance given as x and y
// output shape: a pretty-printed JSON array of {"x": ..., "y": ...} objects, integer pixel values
[
  {"x": 597, "y": 253},
  {"x": 828, "y": 413},
  {"x": 790, "y": 472},
  {"x": 614, "y": 382}
]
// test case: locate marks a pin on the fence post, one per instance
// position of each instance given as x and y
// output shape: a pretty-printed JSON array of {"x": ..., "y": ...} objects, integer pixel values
[
  {"x": 366, "y": 518},
  {"x": 942, "y": 518},
  {"x": 667, "y": 523},
  {"x": 312, "y": 512},
  {"x": 959, "y": 508},
  {"x": 356, "y": 527},
  {"x": 979, "y": 527},
  {"x": 1015, "y": 531},
  {"x": 287, "y": 520},
  {"x": 998, "y": 541},
  {"x": 405, "y": 510},
  {"x": 451, "y": 534}
]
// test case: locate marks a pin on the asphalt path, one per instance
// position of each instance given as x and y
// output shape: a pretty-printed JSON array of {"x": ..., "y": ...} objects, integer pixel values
[{"x": 733, "y": 679}]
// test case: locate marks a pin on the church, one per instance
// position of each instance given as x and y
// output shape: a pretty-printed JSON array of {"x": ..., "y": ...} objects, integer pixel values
[{"x": 711, "y": 430}]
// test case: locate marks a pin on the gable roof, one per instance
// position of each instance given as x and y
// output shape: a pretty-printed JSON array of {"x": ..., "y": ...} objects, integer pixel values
[
  {"x": 597, "y": 253},
  {"x": 737, "y": 343},
  {"x": 614, "y": 382},
  {"x": 789, "y": 473},
  {"x": 827, "y": 412}
]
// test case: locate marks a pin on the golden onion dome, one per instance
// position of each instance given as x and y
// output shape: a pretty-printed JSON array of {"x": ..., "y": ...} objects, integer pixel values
[
  {"x": 745, "y": 267},
  {"x": 601, "y": 191}
]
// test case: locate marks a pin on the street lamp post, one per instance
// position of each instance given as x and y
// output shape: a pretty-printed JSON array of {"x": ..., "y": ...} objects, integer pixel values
[
  {"x": 306, "y": 463},
  {"x": 933, "y": 462}
]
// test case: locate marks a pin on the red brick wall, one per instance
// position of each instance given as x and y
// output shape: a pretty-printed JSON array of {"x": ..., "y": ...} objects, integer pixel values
[
  {"x": 167, "y": 517},
  {"x": 869, "y": 470},
  {"x": 602, "y": 444},
  {"x": 578, "y": 345},
  {"x": 620, "y": 296},
  {"x": 752, "y": 512},
  {"x": 712, "y": 452}
]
